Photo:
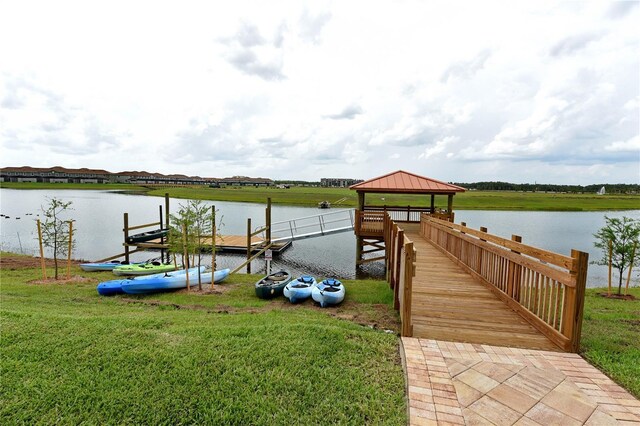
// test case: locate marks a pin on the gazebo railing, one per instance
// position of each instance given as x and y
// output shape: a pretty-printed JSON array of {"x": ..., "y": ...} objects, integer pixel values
[{"x": 408, "y": 213}]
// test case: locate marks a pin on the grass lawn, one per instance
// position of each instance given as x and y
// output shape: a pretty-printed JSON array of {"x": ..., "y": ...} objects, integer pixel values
[
  {"x": 470, "y": 200},
  {"x": 611, "y": 336},
  {"x": 223, "y": 356},
  {"x": 311, "y": 196},
  {"x": 70, "y": 356}
]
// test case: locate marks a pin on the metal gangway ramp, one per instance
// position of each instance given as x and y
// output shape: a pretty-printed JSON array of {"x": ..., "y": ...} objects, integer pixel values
[{"x": 318, "y": 225}]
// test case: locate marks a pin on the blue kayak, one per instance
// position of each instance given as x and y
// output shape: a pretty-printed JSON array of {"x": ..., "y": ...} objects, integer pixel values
[
  {"x": 328, "y": 292},
  {"x": 299, "y": 289},
  {"x": 112, "y": 287},
  {"x": 170, "y": 281}
]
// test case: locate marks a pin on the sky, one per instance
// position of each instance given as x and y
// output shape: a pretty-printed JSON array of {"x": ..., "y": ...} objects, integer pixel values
[{"x": 460, "y": 91}]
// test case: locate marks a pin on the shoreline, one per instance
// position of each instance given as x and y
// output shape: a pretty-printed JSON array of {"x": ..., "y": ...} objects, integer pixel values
[{"x": 311, "y": 196}]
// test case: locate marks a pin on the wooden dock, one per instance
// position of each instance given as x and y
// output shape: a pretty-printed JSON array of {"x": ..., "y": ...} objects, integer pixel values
[
  {"x": 449, "y": 304},
  {"x": 224, "y": 244}
]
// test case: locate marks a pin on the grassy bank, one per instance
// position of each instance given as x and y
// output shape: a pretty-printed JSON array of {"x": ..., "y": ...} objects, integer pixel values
[
  {"x": 610, "y": 335},
  {"x": 70, "y": 356},
  {"x": 471, "y": 200},
  {"x": 311, "y": 196}
]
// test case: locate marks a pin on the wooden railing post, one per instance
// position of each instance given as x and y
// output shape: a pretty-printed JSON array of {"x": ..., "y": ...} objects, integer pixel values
[
  {"x": 574, "y": 300},
  {"x": 409, "y": 272},
  {"x": 513, "y": 283},
  {"x": 398, "y": 261},
  {"x": 248, "y": 244}
]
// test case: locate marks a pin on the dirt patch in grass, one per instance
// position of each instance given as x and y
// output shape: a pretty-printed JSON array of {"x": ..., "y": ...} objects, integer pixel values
[
  {"x": 63, "y": 280},
  {"x": 13, "y": 261},
  {"x": 635, "y": 324},
  {"x": 618, "y": 297},
  {"x": 375, "y": 316}
]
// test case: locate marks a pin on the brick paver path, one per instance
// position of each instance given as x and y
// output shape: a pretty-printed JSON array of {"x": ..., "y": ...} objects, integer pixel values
[{"x": 473, "y": 384}]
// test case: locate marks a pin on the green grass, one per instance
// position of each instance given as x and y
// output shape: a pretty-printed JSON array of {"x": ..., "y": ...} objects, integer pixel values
[
  {"x": 610, "y": 336},
  {"x": 311, "y": 196},
  {"x": 70, "y": 356},
  {"x": 471, "y": 200}
]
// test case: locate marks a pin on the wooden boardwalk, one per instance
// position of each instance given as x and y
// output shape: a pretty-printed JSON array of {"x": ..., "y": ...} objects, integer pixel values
[{"x": 449, "y": 304}]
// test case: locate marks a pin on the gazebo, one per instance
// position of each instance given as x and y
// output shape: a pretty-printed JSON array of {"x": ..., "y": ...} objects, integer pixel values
[{"x": 369, "y": 218}]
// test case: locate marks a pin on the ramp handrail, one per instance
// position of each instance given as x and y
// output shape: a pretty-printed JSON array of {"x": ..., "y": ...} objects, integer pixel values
[{"x": 312, "y": 226}]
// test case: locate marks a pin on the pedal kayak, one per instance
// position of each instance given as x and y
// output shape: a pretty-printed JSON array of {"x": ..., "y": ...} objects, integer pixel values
[
  {"x": 171, "y": 281},
  {"x": 104, "y": 266},
  {"x": 272, "y": 285},
  {"x": 328, "y": 292},
  {"x": 144, "y": 268},
  {"x": 299, "y": 289}
]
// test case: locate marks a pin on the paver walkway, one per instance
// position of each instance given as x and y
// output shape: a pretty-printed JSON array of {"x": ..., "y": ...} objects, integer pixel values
[{"x": 475, "y": 384}]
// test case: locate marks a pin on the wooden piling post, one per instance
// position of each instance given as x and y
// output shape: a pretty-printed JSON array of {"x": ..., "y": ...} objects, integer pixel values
[
  {"x": 166, "y": 210},
  {"x": 44, "y": 269},
  {"x": 358, "y": 250},
  {"x": 268, "y": 221},
  {"x": 213, "y": 240},
  {"x": 69, "y": 249},
  {"x": 186, "y": 254},
  {"x": 125, "y": 229},
  {"x": 248, "y": 245}
]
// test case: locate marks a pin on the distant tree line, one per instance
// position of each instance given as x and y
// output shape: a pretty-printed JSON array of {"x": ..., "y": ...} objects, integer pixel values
[{"x": 619, "y": 188}]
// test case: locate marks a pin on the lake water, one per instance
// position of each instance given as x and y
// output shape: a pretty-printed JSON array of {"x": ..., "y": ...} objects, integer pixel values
[{"x": 99, "y": 222}]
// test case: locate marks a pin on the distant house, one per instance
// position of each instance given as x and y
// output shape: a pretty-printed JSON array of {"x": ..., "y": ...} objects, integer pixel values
[
  {"x": 244, "y": 181},
  {"x": 53, "y": 175},
  {"x": 63, "y": 175},
  {"x": 338, "y": 182}
]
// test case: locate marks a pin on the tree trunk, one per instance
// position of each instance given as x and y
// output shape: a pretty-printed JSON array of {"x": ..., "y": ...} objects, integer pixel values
[
  {"x": 55, "y": 255},
  {"x": 620, "y": 271}
]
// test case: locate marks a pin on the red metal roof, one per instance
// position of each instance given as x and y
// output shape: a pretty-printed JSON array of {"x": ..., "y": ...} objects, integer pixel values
[{"x": 405, "y": 182}]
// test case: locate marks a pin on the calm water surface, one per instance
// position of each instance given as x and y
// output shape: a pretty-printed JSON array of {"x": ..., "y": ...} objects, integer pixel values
[{"x": 99, "y": 222}]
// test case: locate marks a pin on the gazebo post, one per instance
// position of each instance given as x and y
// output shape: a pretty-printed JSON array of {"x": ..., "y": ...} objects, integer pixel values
[
  {"x": 433, "y": 203},
  {"x": 450, "y": 207}
]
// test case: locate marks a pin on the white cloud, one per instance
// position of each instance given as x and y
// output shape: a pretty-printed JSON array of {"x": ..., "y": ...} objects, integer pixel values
[{"x": 240, "y": 87}]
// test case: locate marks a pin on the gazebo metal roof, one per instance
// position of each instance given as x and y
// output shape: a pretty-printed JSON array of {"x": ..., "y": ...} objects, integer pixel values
[{"x": 406, "y": 183}]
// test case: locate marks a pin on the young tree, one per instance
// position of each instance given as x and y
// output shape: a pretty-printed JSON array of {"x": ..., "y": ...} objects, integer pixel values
[
  {"x": 55, "y": 229},
  {"x": 197, "y": 219},
  {"x": 623, "y": 234}
]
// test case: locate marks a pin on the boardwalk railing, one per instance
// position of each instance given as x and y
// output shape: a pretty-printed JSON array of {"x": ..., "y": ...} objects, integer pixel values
[
  {"x": 400, "y": 260},
  {"x": 370, "y": 222},
  {"x": 546, "y": 288}
]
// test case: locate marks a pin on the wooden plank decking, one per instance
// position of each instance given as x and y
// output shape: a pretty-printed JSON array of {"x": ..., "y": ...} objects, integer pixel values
[{"x": 449, "y": 304}]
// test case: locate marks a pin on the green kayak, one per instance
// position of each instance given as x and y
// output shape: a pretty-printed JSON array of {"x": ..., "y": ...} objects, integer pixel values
[{"x": 144, "y": 268}]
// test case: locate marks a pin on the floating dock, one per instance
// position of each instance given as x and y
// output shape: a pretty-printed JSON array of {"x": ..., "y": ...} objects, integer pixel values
[{"x": 224, "y": 244}]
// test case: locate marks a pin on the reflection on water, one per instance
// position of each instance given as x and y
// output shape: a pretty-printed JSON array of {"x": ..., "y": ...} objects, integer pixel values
[{"x": 99, "y": 222}]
